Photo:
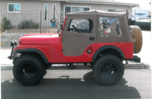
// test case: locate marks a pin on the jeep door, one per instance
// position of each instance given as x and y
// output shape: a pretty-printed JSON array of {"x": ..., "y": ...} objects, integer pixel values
[{"x": 78, "y": 34}]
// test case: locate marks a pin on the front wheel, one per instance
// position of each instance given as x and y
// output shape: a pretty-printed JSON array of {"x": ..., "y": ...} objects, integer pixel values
[
  {"x": 28, "y": 70},
  {"x": 108, "y": 70}
]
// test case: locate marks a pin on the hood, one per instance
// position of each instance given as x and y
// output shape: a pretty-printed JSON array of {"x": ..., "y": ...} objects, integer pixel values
[
  {"x": 41, "y": 34},
  {"x": 37, "y": 39}
]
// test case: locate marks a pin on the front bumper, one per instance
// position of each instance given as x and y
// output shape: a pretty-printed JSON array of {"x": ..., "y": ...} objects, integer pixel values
[{"x": 11, "y": 55}]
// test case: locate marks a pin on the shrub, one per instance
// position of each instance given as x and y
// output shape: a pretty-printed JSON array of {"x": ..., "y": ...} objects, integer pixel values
[
  {"x": 28, "y": 24},
  {"x": 6, "y": 24}
]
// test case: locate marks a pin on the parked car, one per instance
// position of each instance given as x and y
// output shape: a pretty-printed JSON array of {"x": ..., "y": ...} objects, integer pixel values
[
  {"x": 102, "y": 39},
  {"x": 144, "y": 23}
]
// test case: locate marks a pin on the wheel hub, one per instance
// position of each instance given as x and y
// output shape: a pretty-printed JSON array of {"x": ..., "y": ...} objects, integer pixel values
[
  {"x": 28, "y": 71},
  {"x": 108, "y": 70}
]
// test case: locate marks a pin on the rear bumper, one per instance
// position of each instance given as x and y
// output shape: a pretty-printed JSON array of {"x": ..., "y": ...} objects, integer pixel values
[{"x": 135, "y": 59}]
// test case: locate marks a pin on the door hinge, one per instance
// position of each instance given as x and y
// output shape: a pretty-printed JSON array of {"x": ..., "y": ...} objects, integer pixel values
[{"x": 91, "y": 38}]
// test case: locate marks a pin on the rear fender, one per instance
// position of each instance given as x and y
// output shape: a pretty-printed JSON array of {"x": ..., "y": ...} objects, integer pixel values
[{"x": 107, "y": 47}]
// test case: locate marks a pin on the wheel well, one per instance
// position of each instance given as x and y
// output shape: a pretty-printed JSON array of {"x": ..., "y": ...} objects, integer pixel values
[
  {"x": 109, "y": 51},
  {"x": 36, "y": 55}
]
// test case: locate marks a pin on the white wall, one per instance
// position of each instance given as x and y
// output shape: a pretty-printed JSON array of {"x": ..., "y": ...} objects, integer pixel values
[
  {"x": 99, "y": 7},
  {"x": 28, "y": 7}
]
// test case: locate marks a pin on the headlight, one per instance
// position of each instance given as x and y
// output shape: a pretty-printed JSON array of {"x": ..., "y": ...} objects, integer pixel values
[
  {"x": 15, "y": 42},
  {"x": 12, "y": 43}
]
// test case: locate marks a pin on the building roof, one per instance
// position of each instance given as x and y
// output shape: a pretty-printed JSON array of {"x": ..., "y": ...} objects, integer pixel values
[
  {"x": 35, "y": 0},
  {"x": 106, "y": 2},
  {"x": 98, "y": 12}
]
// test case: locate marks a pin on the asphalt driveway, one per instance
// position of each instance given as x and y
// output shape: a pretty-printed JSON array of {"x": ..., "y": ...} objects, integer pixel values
[{"x": 79, "y": 84}]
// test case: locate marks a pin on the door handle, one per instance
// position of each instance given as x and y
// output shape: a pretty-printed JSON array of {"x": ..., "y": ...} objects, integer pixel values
[{"x": 91, "y": 38}]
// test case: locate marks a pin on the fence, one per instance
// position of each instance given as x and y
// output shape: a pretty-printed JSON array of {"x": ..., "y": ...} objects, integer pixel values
[{"x": 30, "y": 21}]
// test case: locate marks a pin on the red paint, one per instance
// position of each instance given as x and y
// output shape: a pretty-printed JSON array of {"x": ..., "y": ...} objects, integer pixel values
[
  {"x": 64, "y": 22},
  {"x": 58, "y": 57},
  {"x": 51, "y": 45}
]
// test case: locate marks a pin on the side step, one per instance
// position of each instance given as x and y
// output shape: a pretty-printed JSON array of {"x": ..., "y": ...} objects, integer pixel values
[{"x": 135, "y": 59}]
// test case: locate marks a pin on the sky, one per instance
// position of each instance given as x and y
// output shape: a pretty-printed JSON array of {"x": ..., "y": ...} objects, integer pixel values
[{"x": 144, "y": 4}]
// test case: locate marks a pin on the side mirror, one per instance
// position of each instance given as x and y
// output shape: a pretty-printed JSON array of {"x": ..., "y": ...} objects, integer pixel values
[{"x": 61, "y": 26}]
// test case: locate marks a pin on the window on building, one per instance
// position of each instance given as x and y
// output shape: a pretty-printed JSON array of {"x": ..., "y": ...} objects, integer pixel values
[
  {"x": 86, "y": 9},
  {"x": 14, "y": 7},
  {"x": 45, "y": 11},
  {"x": 75, "y": 9},
  {"x": 81, "y": 26},
  {"x": 109, "y": 26},
  {"x": 67, "y": 9},
  {"x": 116, "y": 10}
]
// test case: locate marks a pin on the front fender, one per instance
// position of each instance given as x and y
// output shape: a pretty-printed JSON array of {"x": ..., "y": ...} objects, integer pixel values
[{"x": 31, "y": 50}]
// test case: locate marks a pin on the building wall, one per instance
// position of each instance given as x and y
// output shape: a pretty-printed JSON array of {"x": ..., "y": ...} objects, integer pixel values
[
  {"x": 30, "y": 11},
  {"x": 99, "y": 7}
]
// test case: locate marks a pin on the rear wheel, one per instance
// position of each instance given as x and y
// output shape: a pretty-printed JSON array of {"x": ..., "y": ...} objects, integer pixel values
[
  {"x": 108, "y": 70},
  {"x": 28, "y": 70}
]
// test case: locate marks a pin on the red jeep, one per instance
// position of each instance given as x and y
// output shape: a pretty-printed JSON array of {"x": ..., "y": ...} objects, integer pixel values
[{"x": 102, "y": 39}]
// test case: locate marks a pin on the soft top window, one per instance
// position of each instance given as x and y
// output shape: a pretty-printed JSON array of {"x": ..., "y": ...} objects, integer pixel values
[
  {"x": 81, "y": 26},
  {"x": 109, "y": 26}
]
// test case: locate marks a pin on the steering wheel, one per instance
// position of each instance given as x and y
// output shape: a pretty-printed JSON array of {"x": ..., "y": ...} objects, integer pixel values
[{"x": 75, "y": 28}]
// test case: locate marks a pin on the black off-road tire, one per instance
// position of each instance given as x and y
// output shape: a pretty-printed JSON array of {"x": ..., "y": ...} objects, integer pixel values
[
  {"x": 28, "y": 70},
  {"x": 100, "y": 70},
  {"x": 48, "y": 66}
]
